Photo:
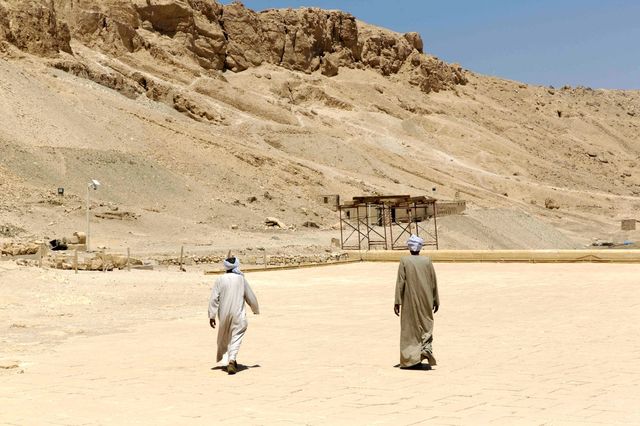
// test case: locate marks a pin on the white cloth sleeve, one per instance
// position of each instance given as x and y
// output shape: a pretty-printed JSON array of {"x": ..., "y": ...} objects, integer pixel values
[
  {"x": 250, "y": 298},
  {"x": 214, "y": 301}
]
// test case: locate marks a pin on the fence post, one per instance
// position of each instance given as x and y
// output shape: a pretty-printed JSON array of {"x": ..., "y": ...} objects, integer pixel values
[{"x": 41, "y": 251}]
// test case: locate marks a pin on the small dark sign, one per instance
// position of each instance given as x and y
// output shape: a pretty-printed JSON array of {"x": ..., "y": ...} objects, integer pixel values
[
  {"x": 628, "y": 225},
  {"x": 61, "y": 191}
]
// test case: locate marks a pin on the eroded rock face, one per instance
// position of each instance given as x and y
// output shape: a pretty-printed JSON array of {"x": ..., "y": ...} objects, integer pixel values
[
  {"x": 383, "y": 50},
  {"x": 197, "y": 36},
  {"x": 192, "y": 27},
  {"x": 295, "y": 39},
  {"x": 169, "y": 30},
  {"x": 33, "y": 26},
  {"x": 309, "y": 35},
  {"x": 431, "y": 74}
]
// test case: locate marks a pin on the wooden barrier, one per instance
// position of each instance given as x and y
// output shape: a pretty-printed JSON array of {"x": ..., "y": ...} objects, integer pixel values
[{"x": 507, "y": 256}]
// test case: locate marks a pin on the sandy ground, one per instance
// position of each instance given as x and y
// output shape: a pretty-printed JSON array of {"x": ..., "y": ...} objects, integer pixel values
[{"x": 516, "y": 344}]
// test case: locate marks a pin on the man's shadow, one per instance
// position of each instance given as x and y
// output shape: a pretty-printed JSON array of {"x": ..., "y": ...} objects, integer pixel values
[
  {"x": 418, "y": 367},
  {"x": 240, "y": 367}
]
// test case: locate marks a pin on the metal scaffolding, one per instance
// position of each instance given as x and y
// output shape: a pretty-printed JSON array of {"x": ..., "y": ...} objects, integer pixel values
[{"x": 386, "y": 222}]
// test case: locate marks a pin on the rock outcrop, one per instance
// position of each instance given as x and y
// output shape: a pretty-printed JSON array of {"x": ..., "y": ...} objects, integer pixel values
[
  {"x": 295, "y": 39},
  {"x": 156, "y": 48},
  {"x": 33, "y": 26},
  {"x": 199, "y": 34}
]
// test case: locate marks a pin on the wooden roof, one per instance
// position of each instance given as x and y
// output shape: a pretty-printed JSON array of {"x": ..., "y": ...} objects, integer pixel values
[
  {"x": 379, "y": 199},
  {"x": 393, "y": 200}
]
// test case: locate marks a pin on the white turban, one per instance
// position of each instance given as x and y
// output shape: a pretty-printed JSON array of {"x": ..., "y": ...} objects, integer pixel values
[
  {"x": 415, "y": 243},
  {"x": 233, "y": 267}
]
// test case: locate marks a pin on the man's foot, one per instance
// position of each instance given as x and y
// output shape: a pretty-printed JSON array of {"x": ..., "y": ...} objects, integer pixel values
[
  {"x": 430, "y": 358},
  {"x": 232, "y": 368}
]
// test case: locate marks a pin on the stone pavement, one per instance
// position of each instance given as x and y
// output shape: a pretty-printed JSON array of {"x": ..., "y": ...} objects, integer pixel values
[{"x": 516, "y": 344}]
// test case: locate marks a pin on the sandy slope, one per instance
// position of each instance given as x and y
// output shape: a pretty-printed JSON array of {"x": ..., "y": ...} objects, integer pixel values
[{"x": 296, "y": 136}]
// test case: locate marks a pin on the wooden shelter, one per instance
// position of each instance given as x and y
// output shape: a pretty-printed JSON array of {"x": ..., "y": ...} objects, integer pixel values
[{"x": 386, "y": 222}]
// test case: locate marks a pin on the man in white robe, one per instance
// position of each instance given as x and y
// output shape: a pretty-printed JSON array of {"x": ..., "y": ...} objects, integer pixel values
[
  {"x": 228, "y": 296},
  {"x": 417, "y": 298}
]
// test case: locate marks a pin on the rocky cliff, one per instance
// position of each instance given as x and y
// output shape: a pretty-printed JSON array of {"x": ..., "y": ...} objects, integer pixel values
[
  {"x": 33, "y": 26},
  {"x": 199, "y": 36}
]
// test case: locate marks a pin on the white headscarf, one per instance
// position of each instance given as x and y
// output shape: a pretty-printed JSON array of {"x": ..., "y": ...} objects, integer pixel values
[
  {"x": 415, "y": 243},
  {"x": 233, "y": 267}
]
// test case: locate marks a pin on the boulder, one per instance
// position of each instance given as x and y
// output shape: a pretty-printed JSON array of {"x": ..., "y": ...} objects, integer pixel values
[
  {"x": 329, "y": 66},
  {"x": 551, "y": 204},
  {"x": 273, "y": 222},
  {"x": 81, "y": 237},
  {"x": 415, "y": 40}
]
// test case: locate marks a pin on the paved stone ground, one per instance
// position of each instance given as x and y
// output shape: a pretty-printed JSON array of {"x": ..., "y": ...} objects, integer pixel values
[{"x": 516, "y": 344}]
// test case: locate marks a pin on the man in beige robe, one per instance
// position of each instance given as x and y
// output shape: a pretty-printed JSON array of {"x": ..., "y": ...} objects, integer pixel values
[
  {"x": 417, "y": 299},
  {"x": 228, "y": 296}
]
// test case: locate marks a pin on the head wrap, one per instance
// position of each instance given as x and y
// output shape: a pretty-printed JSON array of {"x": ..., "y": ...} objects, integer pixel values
[
  {"x": 232, "y": 264},
  {"x": 415, "y": 243}
]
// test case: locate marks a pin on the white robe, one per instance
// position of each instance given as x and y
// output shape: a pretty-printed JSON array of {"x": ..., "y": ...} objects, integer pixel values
[{"x": 229, "y": 293}]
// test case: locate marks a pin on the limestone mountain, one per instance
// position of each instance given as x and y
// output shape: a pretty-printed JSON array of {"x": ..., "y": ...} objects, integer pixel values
[{"x": 199, "y": 116}]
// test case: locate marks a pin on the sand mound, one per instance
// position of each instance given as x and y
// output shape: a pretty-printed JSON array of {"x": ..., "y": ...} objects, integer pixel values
[{"x": 499, "y": 229}]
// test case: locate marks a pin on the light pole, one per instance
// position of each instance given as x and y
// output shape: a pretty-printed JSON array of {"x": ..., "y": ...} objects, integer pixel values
[{"x": 94, "y": 184}]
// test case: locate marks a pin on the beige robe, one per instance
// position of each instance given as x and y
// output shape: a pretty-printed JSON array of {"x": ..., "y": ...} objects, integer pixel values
[
  {"x": 417, "y": 292},
  {"x": 228, "y": 296}
]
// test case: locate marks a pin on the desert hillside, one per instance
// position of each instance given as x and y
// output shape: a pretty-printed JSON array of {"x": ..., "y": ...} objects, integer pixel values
[{"x": 200, "y": 120}]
